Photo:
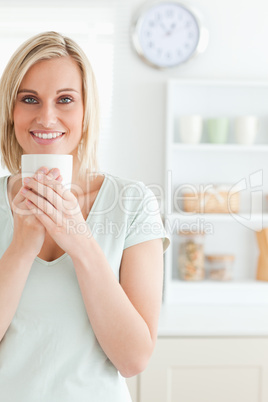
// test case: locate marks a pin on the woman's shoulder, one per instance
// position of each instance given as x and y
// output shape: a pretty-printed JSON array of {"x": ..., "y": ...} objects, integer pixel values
[
  {"x": 4, "y": 201},
  {"x": 126, "y": 185},
  {"x": 129, "y": 194},
  {"x": 3, "y": 190}
]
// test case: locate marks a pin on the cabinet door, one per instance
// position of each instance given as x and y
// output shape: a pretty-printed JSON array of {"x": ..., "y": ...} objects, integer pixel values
[
  {"x": 207, "y": 370},
  {"x": 132, "y": 384}
]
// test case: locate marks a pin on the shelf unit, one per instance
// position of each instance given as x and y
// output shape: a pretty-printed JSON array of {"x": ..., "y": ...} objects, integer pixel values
[
  {"x": 221, "y": 148},
  {"x": 205, "y": 163}
]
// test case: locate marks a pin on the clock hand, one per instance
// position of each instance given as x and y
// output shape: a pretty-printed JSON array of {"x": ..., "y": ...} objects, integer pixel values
[
  {"x": 173, "y": 27},
  {"x": 170, "y": 30},
  {"x": 167, "y": 31}
]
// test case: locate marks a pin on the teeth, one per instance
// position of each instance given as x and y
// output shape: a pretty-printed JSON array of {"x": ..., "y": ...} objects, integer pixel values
[{"x": 47, "y": 136}]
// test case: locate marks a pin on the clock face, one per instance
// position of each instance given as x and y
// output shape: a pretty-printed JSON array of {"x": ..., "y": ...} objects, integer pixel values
[{"x": 166, "y": 34}]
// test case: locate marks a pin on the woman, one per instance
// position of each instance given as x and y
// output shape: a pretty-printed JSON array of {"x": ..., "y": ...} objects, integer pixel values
[{"x": 78, "y": 308}]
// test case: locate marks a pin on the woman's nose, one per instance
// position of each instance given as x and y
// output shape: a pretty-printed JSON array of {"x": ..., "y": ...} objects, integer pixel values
[{"x": 47, "y": 116}]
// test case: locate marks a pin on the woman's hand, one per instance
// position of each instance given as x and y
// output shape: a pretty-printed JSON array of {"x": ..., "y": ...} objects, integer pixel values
[
  {"x": 58, "y": 210},
  {"x": 29, "y": 232}
]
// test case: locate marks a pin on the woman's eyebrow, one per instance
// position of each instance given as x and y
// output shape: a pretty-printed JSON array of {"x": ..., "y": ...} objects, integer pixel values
[
  {"x": 36, "y": 93},
  {"x": 27, "y": 90},
  {"x": 66, "y": 89}
]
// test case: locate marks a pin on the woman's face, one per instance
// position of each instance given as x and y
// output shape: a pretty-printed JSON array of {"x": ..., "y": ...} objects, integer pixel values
[{"x": 48, "y": 112}]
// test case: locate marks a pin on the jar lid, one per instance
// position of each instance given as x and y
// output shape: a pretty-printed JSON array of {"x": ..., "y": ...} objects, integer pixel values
[{"x": 220, "y": 257}]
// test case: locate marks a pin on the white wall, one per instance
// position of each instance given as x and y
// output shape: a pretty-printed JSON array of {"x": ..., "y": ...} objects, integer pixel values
[{"x": 237, "y": 50}]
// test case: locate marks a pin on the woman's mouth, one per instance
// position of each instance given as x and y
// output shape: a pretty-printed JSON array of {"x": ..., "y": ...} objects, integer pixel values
[{"x": 47, "y": 137}]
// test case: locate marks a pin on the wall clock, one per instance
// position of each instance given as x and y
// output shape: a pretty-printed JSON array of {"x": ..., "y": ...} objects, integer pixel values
[{"x": 168, "y": 33}]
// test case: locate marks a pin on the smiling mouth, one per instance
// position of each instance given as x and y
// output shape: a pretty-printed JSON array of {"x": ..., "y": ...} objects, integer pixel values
[{"x": 48, "y": 135}]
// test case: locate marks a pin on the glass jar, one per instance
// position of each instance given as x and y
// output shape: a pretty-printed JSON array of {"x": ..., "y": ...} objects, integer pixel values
[
  {"x": 220, "y": 267},
  {"x": 191, "y": 256}
]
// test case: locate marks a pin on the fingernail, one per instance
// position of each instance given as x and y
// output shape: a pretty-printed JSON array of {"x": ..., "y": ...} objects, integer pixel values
[
  {"x": 52, "y": 174},
  {"x": 24, "y": 190},
  {"x": 55, "y": 172},
  {"x": 39, "y": 176},
  {"x": 26, "y": 179},
  {"x": 43, "y": 170}
]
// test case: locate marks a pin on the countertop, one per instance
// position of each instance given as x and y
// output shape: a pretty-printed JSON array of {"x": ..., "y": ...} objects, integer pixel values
[{"x": 213, "y": 320}]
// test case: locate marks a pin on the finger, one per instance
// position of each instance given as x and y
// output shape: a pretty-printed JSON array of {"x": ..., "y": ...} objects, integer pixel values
[
  {"x": 42, "y": 169},
  {"x": 42, "y": 217},
  {"x": 19, "y": 197},
  {"x": 53, "y": 173},
  {"x": 38, "y": 200},
  {"x": 60, "y": 178},
  {"x": 31, "y": 207},
  {"x": 44, "y": 206},
  {"x": 17, "y": 204},
  {"x": 45, "y": 187},
  {"x": 17, "y": 200},
  {"x": 21, "y": 208},
  {"x": 56, "y": 186},
  {"x": 53, "y": 192}
]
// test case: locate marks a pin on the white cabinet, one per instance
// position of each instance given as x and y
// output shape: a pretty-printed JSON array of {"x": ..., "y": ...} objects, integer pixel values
[
  {"x": 213, "y": 336},
  {"x": 206, "y": 370},
  {"x": 237, "y": 165},
  {"x": 133, "y": 387}
]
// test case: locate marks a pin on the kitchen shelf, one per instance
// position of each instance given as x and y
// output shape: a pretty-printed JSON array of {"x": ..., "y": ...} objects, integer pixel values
[
  {"x": 218, "y": 217},
  {"x": 207, "y": 163},
  {"x": 213, "y": 320},
  {"x": 237, "y": 284},
  {"x": 224, "y": 218},
  {"x": 220, "y": 147},
  {"x": 214, "y": 292}
]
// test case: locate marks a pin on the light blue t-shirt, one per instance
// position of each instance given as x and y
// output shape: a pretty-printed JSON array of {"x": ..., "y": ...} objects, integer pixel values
[{"x": 49, "y": 352}]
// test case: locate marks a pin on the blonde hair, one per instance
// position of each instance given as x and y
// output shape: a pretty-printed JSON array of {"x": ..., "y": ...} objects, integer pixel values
[{"x": 45, "y": 46}]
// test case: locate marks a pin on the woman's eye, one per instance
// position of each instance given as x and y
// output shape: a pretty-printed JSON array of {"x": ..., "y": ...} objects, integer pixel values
[
  {"x": 29, "y": 99},
  {"x": 66, "y": 99}
]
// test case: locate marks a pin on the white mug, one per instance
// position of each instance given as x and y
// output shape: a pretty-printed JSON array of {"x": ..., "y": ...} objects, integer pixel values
[
  {"x": 245, "y": 129},
  {"x": 30, "y": 163},
  {"x": 190, "y": 127}
]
